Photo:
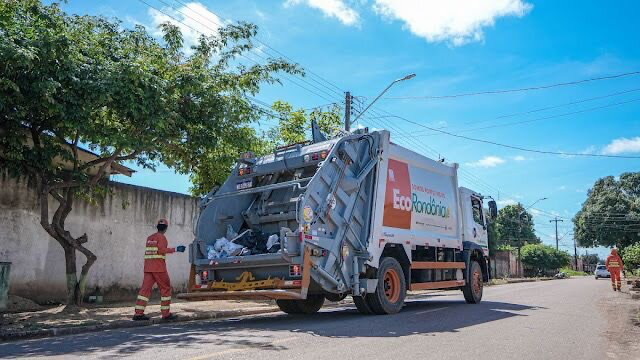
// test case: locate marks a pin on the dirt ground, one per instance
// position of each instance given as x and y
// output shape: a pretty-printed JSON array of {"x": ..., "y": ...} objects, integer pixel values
[{"x": 623, "y": 329}]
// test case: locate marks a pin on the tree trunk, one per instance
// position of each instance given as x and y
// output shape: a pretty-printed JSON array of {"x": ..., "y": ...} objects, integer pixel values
[{"x": 56, "y": 229}]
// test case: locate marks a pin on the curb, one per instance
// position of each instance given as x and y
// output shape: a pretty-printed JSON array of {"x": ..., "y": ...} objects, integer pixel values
[{"x": 126, "y": 324}]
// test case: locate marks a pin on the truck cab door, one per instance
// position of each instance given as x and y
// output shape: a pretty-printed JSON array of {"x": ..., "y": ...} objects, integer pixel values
[{"x": 476, "y": 227}]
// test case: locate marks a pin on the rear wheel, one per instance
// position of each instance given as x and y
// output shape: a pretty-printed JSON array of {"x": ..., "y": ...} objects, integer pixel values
[
  {"x": 362, "y": 305},
  {"x": 310, "y": 305},
  {"x": 472, "y": 290},
  {"x": 391, "y": 289},
  {"x": 288, "y": 306}
]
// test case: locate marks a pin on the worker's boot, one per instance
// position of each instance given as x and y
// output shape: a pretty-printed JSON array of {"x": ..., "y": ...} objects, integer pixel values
[
  {"x": 170, "y": 317},
  {"x": 142, "y": 317}
]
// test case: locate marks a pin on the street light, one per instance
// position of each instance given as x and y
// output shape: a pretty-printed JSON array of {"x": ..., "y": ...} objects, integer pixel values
[{"x": 410, "y": 76}]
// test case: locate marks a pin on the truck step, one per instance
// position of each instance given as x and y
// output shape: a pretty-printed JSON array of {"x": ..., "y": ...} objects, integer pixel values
[
  {"x": 422, "y": 265},
  {"x": 436, "y": 285}
]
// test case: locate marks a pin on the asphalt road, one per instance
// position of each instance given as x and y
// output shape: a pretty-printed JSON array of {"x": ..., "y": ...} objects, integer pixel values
[{"x": 568, "y": 319}]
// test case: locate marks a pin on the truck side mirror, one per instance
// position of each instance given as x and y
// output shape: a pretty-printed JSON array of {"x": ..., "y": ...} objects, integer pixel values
[{"x": 493, "y": 209}]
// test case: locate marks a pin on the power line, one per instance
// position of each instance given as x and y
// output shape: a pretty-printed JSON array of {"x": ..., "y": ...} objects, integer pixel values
[
  {"x": 539, "y": 119},
  {"x": 339, "y": 91},
  {"x": 240, "y": 54},
  {"x": 513, "y": 146},
  {"x": 530, "y": 88}
]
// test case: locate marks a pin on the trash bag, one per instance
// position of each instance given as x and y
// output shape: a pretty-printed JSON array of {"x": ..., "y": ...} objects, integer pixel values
[
  {"x": 272, "y": 240},
  {"x": 223, "y": 248}
]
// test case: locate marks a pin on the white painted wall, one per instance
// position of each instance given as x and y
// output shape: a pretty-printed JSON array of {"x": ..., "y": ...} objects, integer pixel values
[{"x": 117, "y": 229}]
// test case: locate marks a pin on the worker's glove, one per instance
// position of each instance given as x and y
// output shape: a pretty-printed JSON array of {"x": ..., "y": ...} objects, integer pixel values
[{"x": 181, "y": 248}]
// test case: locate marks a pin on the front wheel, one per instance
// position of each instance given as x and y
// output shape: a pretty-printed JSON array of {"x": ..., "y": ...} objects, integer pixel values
[
  {"x": 391, "y": 289},
  {"x": 472, "y": 290}
]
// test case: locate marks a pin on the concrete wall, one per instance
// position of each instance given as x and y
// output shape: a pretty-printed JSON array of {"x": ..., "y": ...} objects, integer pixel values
[{"x": 117, "y": 229}]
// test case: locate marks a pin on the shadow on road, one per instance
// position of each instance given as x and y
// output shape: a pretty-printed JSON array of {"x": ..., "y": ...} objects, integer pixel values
[{"x": 425, "y": 318}]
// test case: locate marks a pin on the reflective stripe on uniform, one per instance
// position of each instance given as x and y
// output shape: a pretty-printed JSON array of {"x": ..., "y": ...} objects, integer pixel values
[
  {"x": 165, "y": 298},
  {"x": 140, "y": 297},
  {"x": 613, "y": 264},
  {"x": 151, "y": 248},
  {"x": 140, "y": 307},
  {"x": 165, "y": 307},
  {"x": 155, "y": 257}
]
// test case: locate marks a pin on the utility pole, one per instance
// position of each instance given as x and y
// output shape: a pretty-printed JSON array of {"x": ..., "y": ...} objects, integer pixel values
[
  {"x": 575, "y": 250},
  {"x": 556, "y": 220},
  {"x": 347, "y": 111}
]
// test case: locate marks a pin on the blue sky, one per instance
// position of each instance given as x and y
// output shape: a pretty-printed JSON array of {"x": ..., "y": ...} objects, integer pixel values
[{"x": 454, "y": 47}]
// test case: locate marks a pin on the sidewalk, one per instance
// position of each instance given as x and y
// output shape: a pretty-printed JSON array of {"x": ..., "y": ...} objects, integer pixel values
[{"x": 56, "y": 322}]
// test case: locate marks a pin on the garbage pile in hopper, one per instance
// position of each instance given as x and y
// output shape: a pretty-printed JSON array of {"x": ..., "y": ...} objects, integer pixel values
[{"x": 248, "y": 242}]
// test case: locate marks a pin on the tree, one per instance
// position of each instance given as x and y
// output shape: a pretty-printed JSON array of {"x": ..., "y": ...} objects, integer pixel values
[
  {"x": 544, "y": 257},
  {"x": 611, "y": 214},
  {"x": 631, "y": 257},
  {"x": 68, "y": 82},
  {"x": 590, "y": 259},
  {"x": 294, "y": 126},
  {"x": 514, "y": 226}
]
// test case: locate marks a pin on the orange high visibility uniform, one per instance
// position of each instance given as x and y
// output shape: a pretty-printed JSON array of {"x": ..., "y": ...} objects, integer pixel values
[
  {"x": 614, "y": 265},
  {"x": 155, "y": 271}
]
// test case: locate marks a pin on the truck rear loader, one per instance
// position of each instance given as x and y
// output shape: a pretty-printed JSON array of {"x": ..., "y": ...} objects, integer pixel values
[{"x": 354, "y": 215}]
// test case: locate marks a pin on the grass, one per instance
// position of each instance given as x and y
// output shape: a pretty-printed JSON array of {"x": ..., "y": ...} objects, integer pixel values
[{"x": 572, "y": 272}]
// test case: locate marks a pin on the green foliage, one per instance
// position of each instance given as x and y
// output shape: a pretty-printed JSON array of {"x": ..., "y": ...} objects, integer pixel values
[
  {"x": 295, "y": 125},
  {"x": 544, "y": 257},
  {"x": 631, "y": 257},
  {"x": 610, "y": 215},
  {"x": 590, "y": 259},
  {"x": 514, "y": 226},
  {"x": 571, "y": 272},
  {"x": 68, "y": 81}
]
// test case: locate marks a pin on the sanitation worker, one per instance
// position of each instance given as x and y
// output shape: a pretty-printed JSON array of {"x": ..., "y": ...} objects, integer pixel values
[
  {"x": 615, "y": 266},
  {"x": 155, "y": 272}
]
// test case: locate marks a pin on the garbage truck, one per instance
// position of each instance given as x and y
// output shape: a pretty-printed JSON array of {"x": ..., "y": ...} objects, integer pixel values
[{"x": 355, "y": 215}]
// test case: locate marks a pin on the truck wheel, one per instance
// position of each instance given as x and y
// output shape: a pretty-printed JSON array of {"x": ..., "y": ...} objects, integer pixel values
[
  {"x": 391, "y": 289},
  {"x": 335, "y": 297},
  {"x": 362, "y": 305},
  {"x": 310, "y": 305},
  {"x": 288, "y": 306},
  {"x": 472, "y": 290}
]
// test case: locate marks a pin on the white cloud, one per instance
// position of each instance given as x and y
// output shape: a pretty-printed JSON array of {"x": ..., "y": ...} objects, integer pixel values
[
  {"x": 506, "y": 202},
  {"x": 623, "y": 145},
  {"x": 487, "y": 162},
  {"x": 519, "y": 158},
  {"x": 193, "y": 20},
  {"x": 455, "y": 21},
  {"x": 562, "y": 188},
  {"x": 332, "y": 8}
]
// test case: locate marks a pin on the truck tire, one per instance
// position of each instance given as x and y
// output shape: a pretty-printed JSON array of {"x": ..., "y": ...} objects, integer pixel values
[
  {"x": 310, "y": 305},
  {"x": 335, "y": 297},
  {"x": 288, "y": 306},
  {"x": 472, "y": 290},
  {"x": 391, "y": 290},
  {"x": 362, "y": 305}
]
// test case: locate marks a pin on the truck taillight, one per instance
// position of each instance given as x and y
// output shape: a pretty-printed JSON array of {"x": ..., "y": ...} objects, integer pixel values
[
  {"x": 306, "y": 158},
  {"x": 323, "y": 154},
  {"x": 314, "y": 156},
  {"x": 247, "y": 171},
  {"x": 241, "y": 171},
  {"x": 294, "y": 270}
]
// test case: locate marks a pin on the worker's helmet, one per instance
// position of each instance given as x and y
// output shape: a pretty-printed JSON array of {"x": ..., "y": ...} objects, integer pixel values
[{"x": 163, "y": 222}]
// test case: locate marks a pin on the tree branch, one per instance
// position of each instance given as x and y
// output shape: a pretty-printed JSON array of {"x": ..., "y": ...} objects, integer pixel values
[{"x": 117, "y": 158}]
